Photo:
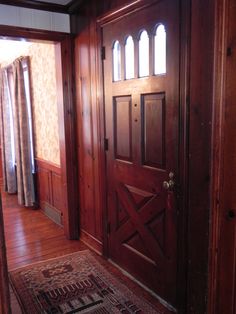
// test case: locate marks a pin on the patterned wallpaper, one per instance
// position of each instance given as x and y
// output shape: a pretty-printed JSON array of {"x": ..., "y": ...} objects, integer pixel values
[{"x": 44, "y": 98}]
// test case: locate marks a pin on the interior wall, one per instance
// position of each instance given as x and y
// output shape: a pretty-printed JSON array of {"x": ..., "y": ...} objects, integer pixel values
[
  {"x": 196, "y": 161},
  {"x": 44, "y": 102}
]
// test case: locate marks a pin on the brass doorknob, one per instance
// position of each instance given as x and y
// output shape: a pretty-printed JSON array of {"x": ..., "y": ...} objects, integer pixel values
[{"x": 169, "y": 185}]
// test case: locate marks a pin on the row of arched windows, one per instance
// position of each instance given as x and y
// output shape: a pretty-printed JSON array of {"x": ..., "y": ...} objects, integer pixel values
[{"x": 143, "y": 55}]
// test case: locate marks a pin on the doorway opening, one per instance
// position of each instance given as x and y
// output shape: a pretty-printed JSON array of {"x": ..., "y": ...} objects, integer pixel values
[{"x": 29, "y": 233}]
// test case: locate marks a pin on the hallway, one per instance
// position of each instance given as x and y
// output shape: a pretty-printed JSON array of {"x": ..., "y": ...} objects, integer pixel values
[{"x": 32, "y": 237}]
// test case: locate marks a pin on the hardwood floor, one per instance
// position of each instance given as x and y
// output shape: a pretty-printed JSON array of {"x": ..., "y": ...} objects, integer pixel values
[{"x": 32, "y": 237}]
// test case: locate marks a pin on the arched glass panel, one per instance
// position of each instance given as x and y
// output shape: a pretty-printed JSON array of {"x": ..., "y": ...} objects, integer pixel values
[
  {"x": 144, "y": 54},
  {"x": 160, "y": 50},
  {"x": 116, "y": 61},
  {"x": 129, "y": 58}
]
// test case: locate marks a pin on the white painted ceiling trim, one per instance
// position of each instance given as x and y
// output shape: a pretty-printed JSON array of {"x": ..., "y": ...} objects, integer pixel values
[{"x": 31, "y": 18}]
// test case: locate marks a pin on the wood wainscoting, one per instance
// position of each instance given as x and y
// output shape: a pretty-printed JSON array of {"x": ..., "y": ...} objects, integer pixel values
[{"x": 49, "y": 190}]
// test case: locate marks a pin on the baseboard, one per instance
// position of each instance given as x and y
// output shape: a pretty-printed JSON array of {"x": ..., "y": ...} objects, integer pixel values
[
  {"x": 51, "y": 212},
  {"x": 93, "y": 243},
  {"x": 163, "y": 302}
]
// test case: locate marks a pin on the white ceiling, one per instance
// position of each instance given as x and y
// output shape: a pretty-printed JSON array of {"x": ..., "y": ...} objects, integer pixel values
[{"x": 62, "y": 2}]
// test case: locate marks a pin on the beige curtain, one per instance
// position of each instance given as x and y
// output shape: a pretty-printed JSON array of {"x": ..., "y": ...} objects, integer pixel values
[
  {"x": 25, "y": 182},
  {"x": 7, "y": 136}
]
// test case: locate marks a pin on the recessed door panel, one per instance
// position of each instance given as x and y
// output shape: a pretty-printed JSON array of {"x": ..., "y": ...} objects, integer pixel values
[
  {"x": 153, "y": 130},
  {"x": 122, "y": 127}
]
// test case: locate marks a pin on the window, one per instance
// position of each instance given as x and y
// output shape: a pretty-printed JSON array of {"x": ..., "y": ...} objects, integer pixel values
[
  {"x": 129, "y": 58},
  {"x": 116, "y": 61},
  {"x": 160, "y": 50},
  {"x": 144, "y": 54}
]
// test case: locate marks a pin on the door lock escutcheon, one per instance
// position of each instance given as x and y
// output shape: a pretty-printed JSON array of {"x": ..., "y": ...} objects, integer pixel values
[{"x": 169, "y": 185}]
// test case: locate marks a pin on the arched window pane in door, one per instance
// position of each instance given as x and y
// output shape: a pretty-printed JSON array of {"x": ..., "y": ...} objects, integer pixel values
[
  {"x": 160, "y": 50},
  {"x": 116, "y": 61},
  {"x": 144, "y": 54},
  {"x": 129, "y": 58}
]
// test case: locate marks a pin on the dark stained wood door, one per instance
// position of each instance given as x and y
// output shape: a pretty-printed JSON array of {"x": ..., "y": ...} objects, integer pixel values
[{"x": 141, "y": 121}]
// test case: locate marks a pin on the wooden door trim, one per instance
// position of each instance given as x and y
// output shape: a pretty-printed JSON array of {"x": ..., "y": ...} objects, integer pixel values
[
  {"x": 124, "y": 10},
  {"x": 183, "y": 132},
  {"x": 66, "y": 116},
  {"x": 4, "y": 285},
  {"x": 220, "y": 51},
  {"x": 185, "y": 35}
]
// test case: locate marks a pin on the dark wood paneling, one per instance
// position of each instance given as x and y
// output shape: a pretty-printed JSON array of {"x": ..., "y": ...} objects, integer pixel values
[
  {"x": 223, "y": 285},
  {"x": 200, "y": 128},
  {"x": 89, "y": 131},
  {"x": 50, "y": 190},
  {"x": 57, "y": 195},
  {"x": 122, "y": 127},
  {"x": 153, "y": 130},
  {"x": 43, "y": 185},
  {"x": 91, "y": 241},
  {"x": 195, "y": 129}
]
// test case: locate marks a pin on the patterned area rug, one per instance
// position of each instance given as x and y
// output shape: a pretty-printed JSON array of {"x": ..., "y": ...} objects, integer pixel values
[{"x": 75, "y": 283}]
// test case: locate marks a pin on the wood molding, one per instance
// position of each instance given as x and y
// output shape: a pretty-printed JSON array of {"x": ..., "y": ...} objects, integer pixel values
[
  {"x": 124, "y": 10},
  {"x": 48, "y": 165},
  {"x": 102, "y": 153},
  {"x": 13, "y": 32},
  {"x": 52, "y": 213},
  {"x": 68, "y": 151},
  {"x": 91, "y": 242},
  {"x": 185, "y": 18},
  {"x": 220, "y": 50},
  {"x": 74, "y": 6},
  {"x": 200, "y": 152},
  {"x": 4, "y": 285}
]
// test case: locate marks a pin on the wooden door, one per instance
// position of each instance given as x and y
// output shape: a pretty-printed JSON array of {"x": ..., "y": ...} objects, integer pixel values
[{"x": 141, "y": 121}]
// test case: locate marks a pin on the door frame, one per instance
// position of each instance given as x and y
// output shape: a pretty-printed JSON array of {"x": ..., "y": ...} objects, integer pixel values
[
  {"x": 4, "y": 285},
  {"x": 183, "y": 175},
  {"x": 66, "y": 116},
  {"x": 67, "y": 134},
  {"x": 219, "y": 109}
]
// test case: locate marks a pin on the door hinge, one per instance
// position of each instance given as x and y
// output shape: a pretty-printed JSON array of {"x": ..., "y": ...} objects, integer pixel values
[
  {"x": 103, "y": 53},
  {"x": 106, "y": 144},
  {"x": 108, "y": 228}
]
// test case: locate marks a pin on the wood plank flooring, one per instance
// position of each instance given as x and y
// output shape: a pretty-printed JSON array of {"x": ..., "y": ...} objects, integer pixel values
[{"x": 32, "y": 237}]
